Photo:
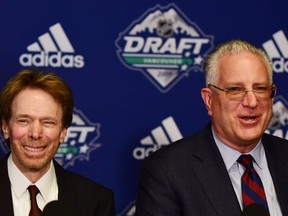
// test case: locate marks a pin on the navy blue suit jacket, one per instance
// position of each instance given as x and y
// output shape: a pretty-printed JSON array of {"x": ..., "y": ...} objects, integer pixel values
[
  {"x": 81, "y": 195},
  {"x": 189, "y": 178}
]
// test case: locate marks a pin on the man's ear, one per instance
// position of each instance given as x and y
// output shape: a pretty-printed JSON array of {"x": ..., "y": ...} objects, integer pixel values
[
  {"x": 5, "y": 129},
  {"x": 206, "y": 97},
  {"x": 63, "y": 135}
]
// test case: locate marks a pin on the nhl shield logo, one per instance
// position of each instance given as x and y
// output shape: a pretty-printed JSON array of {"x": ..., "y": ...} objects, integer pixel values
[{"x": 164, "y": 45}]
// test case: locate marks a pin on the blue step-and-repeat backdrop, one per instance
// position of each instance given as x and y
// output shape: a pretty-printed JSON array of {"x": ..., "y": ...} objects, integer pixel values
[{"x": 135, "y": 68}]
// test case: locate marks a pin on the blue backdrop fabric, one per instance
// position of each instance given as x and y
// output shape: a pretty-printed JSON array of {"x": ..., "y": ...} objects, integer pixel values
[{"x": 135, "y": 68}]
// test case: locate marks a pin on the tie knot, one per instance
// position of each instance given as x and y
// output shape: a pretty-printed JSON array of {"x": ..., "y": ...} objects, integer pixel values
[
  {"x": 33, "y": 190},
  {"x": 246, "y": 161}
]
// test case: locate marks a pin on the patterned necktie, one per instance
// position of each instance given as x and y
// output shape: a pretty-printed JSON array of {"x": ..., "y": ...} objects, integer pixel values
[
  {"x": 252, "y": 187},
  {"x": 34, "y": 211}
]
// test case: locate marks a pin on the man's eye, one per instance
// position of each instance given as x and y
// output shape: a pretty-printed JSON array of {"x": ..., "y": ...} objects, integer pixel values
[
  {"x": 260, "y": 88},
  {"x": 49, "y": 122},
  {"x": 22, "y": 121},
  {"x": 234, "y": 89}
]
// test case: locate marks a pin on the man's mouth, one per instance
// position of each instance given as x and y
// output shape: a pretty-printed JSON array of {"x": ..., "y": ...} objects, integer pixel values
[
  {"x": 34, "y": 149},
  {"x": 249, "y": 118}
]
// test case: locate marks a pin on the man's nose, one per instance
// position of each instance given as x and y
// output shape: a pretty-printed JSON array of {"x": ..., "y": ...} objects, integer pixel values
[
  {"x": 250, "y": 99},
  {"x": 35, "y": 131}
]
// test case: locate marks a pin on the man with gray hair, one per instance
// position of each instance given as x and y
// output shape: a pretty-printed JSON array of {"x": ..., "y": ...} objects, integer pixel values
[{"x": 230, "y": 164}]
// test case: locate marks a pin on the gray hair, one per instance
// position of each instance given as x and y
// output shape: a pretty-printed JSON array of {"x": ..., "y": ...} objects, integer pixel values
[{"x": 232, "y": 47}]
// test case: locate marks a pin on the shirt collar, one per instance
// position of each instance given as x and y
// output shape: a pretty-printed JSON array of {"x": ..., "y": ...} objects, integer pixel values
[
  {"x": 230, "y": 155},
  {"x": 45, "y": 182},
  {"x": 20, "y": 183}
]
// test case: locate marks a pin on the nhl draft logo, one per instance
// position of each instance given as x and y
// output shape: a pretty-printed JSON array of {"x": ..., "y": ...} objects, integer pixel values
[
  {"x": 278, "y": 125},
  {"x": 80, "y": 140},
  {"x": 164, "y": 45}
]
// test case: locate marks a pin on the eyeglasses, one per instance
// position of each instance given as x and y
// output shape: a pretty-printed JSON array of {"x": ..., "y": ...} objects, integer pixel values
[{"x": 238, "y": 92}]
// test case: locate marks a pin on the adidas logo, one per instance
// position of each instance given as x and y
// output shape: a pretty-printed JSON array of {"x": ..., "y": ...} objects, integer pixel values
[
  {"x": 277, "y": 49},
  {"x": 161, "y": 136},
  {"x": 48, "y": 51}
]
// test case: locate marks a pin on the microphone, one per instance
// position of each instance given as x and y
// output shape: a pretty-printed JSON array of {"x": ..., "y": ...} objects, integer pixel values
[
  {"x": 255, "y": 210},
  {"x": 57, "y": 208}
]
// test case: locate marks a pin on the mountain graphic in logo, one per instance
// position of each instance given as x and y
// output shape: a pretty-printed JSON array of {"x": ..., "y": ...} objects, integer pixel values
[{"x": 164, "y": 45}]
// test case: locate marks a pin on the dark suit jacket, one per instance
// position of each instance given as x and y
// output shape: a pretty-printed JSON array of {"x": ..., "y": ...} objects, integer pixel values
[
  {"x": 189, "y": 178},
  {"x": 84, "y": 197}
]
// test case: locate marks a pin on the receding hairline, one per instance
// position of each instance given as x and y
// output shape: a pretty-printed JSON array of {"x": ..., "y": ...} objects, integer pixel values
[{"x": 229, "y": 48}]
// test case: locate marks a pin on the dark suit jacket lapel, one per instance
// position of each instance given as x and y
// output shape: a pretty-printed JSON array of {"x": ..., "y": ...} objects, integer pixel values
[
  {"x": 211, "y": 171},
  {"x": 5, "y": 189},
  {"x": 65, "y": 191},
  {"x": 276, "y": 151}
]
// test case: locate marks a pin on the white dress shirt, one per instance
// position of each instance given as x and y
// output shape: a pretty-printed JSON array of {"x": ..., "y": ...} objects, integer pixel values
[
  {"x": 236, "y": 170},
  {"x": 21, "y": 199}
]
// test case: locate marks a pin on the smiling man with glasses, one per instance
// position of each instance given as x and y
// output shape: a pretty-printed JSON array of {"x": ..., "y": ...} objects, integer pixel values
[{"x": 210, "y": 173}]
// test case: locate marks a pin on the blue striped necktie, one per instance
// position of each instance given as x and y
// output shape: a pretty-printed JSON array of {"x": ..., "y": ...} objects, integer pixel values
[{"x": 252, "y": 187}]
